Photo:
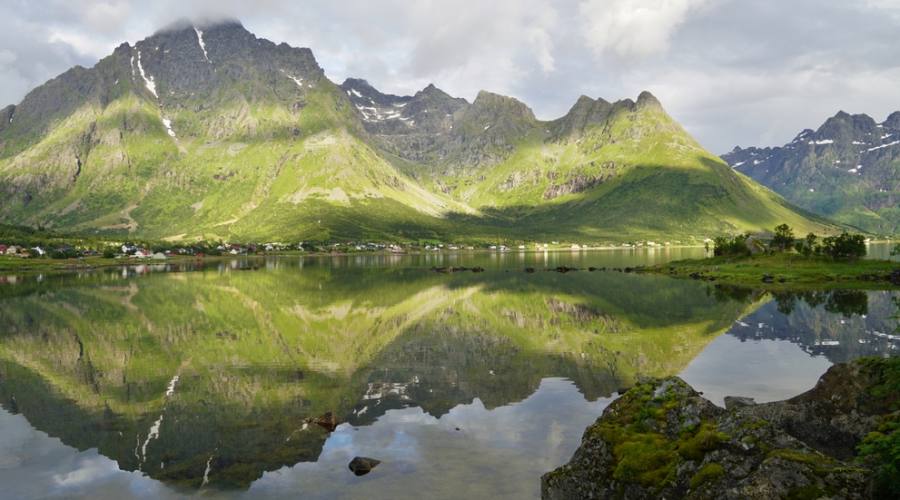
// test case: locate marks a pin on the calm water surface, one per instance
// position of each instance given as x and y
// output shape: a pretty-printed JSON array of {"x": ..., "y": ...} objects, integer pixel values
[{"x": 264, "y": 378}]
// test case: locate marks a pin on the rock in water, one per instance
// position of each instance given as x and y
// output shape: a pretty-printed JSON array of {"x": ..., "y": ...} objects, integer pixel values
[
  {"x": 363, "y": 465},
  {"x": 661, "y": 439}
]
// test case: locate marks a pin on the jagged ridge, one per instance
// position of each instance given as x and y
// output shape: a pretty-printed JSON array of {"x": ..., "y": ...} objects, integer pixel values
[
  {"x": 848, "y": 169},
  {"x": 206, "y": 131}
]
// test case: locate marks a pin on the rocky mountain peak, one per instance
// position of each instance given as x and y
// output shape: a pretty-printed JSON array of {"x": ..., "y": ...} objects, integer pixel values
[
  {"x": 363, "y": 94},
  {"x": 893, "y": 121},
  {"x": 584, "y": 112},
  {"x": 646, "y": 99},
  {"x": 185, "y": 24},
  {"x": 844, "y": 127},
  {"x": 503, "y": 105}
]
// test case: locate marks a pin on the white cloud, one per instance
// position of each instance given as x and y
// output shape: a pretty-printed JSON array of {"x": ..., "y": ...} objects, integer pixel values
[
  {"x": 633, "y": 27},
  {"x": 734, "y": 72}
]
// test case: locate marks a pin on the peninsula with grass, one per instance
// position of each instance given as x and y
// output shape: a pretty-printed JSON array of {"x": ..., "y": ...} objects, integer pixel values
[{"x": 781, "y": 260}]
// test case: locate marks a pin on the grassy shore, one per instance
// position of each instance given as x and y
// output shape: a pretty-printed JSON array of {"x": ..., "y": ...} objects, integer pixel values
[
  {"x": 44, "y": 264},
  {"x": 785, "y": 271}
]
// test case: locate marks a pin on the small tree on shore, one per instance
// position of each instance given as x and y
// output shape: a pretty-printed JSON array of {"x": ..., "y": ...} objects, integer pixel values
[
  {"x": 810, "y": 243},
  {"x": 784, "y": 238},
  {"x": 844, "y": 246},
  {"x": 731, "y": 246}
]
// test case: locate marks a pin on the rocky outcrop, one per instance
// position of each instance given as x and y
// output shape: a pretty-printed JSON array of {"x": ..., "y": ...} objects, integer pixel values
[{"x": 662, "y": 439}]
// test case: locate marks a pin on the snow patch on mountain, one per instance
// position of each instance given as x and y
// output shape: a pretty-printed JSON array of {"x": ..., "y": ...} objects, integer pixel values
[
  {"x": 883, "y": 146},
  {"x": 168, "y": 124},
  {"x": 202, "y": 45},
  {"x": 148, "y": 80}
]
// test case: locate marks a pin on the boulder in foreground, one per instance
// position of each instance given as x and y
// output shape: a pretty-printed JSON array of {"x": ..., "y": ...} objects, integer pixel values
[{"x": 662, "y": 439}]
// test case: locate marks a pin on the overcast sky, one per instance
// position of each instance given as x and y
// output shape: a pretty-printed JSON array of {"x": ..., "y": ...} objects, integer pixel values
[{"x": 748, "y": 72}]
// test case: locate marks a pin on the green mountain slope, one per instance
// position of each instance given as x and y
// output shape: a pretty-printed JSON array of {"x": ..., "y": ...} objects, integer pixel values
[{"x": 210, "y": 132}]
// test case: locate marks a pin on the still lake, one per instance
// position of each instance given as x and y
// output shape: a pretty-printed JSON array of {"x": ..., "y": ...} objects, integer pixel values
[{"x": 261, "y": 378}]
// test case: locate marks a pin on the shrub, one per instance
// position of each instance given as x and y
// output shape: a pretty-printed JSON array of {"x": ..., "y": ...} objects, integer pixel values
[{"x": 882, "y": 449}]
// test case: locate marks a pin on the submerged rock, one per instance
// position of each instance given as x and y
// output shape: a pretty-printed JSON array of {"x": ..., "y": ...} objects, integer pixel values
[
  {"x": 363, "y": 465},
  {"x": 328, "y": 421},
  {"x": 661, "y": 439}
]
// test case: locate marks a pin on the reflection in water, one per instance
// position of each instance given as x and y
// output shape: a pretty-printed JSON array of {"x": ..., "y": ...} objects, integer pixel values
[{"x": 232, "y": 381}]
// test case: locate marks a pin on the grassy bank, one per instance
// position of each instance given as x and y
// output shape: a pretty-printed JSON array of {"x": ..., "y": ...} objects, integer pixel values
[{"x": 785, "y": 271}]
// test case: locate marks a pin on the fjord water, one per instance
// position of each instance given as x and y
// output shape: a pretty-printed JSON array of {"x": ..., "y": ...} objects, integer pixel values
[{"x": 226, "y": 380}]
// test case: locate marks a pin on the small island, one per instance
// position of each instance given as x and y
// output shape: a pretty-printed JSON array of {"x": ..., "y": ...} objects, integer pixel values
[{"x": 781, "y": 261}]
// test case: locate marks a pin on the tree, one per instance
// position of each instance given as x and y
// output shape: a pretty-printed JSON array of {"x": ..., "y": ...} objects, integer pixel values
[
  {"x": 784, "y": 237},
  {"x": 807, "y": 245},
  {"x": 731, "y": 246},
  {"x": 845, "y": 246},
  {"x": 896, "y": 250}
]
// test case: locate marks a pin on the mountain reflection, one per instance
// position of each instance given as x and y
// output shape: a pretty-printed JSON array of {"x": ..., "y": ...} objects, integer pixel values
[{"x": 212, "y": 378}]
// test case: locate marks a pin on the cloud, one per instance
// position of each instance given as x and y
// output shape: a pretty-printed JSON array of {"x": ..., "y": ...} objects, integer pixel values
[
  {"x": 633, "y": 28},
  {"x": 733, "y": 72}
]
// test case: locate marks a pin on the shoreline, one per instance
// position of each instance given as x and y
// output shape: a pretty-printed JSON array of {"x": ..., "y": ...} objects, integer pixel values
[
  {"x": 784, "y": 272},
  {"x": 87, "y": 263}
]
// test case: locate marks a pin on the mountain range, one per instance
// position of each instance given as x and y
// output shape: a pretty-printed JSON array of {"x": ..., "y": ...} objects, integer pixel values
[
  {"x": 847, "y": 170},
  {"x": 206, "y": 131}
]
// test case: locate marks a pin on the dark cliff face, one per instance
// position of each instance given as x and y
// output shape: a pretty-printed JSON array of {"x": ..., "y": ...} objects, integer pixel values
[
  {"x": 189, "y": 60},
  {"x": 188, "y": 66},
  {"x": 6, "y": 116},
  {"x": 848, "y": 169}
]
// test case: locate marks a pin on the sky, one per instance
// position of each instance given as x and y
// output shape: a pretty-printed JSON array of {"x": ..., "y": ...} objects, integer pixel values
[{"x": 733, "y": 72}]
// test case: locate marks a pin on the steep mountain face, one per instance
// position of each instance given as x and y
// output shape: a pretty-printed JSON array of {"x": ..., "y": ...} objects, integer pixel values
[
  {"x": 206, "y": 131},
  {"x": 848, "y": 170}
]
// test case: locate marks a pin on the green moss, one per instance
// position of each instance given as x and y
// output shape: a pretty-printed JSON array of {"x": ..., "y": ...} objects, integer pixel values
[
  {"x": 707, "y": 473},
  {"x": 648, "y": 459},
  {"x": 810, "y": 458},
  {"x": 808, "y": 492},
  {"x": 696, "y": 445},
  {"x": 755, "y": 424}
]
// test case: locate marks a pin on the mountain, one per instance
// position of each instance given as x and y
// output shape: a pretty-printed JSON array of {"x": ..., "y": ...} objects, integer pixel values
[
  {"x": 847, "y": 170},
  {"x": 206, "y": 131}
]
